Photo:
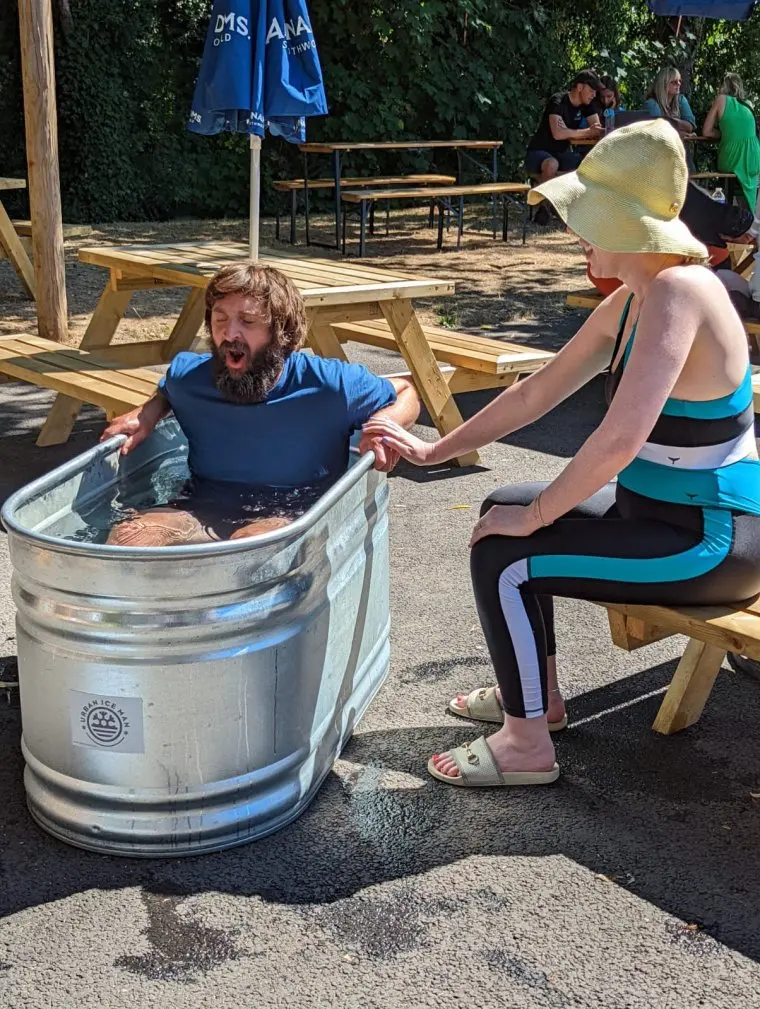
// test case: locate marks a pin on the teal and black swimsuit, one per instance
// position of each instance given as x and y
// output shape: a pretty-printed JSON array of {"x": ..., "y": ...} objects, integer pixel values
[{"x": 680, "y": 527}]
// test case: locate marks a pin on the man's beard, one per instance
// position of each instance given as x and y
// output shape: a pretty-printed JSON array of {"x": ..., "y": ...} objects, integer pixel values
[{"x": 255, "y": 383}]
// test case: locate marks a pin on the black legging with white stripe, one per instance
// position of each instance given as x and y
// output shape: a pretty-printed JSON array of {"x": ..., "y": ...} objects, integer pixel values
[{"x": 618, "y": 546}]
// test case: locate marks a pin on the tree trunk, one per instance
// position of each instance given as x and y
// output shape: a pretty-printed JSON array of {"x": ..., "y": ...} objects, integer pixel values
[
  {"x": 38, "y": 73},
  {"x": 697, "y": 26}
]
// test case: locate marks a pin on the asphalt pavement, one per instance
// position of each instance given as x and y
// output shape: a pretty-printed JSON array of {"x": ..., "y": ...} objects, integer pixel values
[{"x": 632, "y": 882}]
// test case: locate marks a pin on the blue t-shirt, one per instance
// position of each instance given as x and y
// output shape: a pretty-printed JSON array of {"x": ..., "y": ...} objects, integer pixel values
[{"x": 298, "y": 435}]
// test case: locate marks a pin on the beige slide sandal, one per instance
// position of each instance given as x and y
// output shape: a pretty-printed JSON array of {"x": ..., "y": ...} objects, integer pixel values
[
  {"x": 482, "y": 705},
  {"x": 478, "y": 769}
]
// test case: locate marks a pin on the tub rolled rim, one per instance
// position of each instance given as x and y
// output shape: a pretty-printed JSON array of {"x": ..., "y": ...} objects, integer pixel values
[{"x": 26, "y": 494}]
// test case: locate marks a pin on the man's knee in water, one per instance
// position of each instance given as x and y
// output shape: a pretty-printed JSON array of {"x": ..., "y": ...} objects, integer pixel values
[
  {"x": 259, "y": 527},
  {"x": 159, "y": 527}
]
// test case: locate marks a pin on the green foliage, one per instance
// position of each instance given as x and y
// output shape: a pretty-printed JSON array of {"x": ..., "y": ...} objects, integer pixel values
[
  {"x": 394, "y": 69},
  {"x": 412, "y": 69}
]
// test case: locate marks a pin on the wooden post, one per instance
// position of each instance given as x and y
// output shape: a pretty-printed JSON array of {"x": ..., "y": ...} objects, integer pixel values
[
  {"x": 690, "y": 687},
  {"x": 38, "y": 67}
]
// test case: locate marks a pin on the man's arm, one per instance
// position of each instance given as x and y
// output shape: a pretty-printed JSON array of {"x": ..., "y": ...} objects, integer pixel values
[
  {"x": 404, "y": 411},
  {"x": 562, "y": 132},
  {"x": 138, "y": 423}
]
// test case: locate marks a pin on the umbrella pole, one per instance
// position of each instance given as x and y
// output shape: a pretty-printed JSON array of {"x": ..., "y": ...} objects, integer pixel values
[{"x": 253, "y": 240}]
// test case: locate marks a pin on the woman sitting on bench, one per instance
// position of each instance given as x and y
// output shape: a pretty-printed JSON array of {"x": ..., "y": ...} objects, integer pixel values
[{"x": 681, "y": 526}]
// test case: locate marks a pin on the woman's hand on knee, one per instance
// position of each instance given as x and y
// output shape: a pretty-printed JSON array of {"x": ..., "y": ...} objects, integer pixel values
[{"x": 506, "y": 520}]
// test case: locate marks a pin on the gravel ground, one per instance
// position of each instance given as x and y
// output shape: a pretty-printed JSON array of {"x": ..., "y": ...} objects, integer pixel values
[
  {"x": 499, "y": 287},
  {"x": 633, "y": 882}
]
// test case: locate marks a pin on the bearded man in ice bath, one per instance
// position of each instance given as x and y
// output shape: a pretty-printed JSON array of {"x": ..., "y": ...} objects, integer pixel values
[{"x": 259, "y": 415}]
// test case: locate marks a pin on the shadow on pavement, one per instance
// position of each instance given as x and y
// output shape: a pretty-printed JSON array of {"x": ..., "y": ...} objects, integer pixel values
[
  {"x": 672, "y": 820},
  {"x": 20, "y": 459}
]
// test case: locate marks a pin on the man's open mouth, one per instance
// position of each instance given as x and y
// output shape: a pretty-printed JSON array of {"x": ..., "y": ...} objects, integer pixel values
[{"x": 235, "y": 357}]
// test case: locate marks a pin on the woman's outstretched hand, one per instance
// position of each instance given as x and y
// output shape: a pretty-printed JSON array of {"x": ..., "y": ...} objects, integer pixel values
[
  {"x": 398, "y": 439},
  {"x": 505, "y": 520}
]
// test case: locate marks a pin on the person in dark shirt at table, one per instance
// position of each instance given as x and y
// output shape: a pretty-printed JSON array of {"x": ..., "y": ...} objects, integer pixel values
[{"x": 550, "y": 149}]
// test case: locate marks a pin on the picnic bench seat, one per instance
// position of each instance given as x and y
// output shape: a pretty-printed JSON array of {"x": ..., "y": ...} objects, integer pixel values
[
  {"x": 19, "y": 256},
  {"x": 442, "y": 197},
  {"x": 288, "y": 185},
  {"x": 713, "y": 632},
  {"x": 297, "y": 187},
  {"x": 23, "y": 231},
  {"x": 712, "y": 175},
  {"x": 23, "y": 228},
  {"x": 85, "y": 377},
  {"x": 474, "y": 362}
]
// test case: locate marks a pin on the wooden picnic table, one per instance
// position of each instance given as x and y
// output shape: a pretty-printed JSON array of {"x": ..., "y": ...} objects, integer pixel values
[
  {"x": 694, "y": 139},
  {"x": 10, "y": 243},
  {"x": 333, "y": 293},
  {"x": 339, "y": 148}
]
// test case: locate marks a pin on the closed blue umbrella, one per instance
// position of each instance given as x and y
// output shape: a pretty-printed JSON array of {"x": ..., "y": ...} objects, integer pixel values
[{"x": 260, "y": 70}]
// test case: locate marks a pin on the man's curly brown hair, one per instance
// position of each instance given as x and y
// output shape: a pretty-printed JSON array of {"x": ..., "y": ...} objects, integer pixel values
[{"x": 282, "y": 307}]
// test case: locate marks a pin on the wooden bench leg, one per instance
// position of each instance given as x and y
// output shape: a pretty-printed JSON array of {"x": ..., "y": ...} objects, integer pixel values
[
  {"x": 690, "y": 687},
  {"x": 16, "y": 252},
  {"x": 60, "y": 421},
  {"x": 430, "y": 383},
  {"x": 187, "y": 325},
  {"x": 322, "y": 339},
  {"x": 631, "y": 633},
  {"x": 107, "y": 315}
]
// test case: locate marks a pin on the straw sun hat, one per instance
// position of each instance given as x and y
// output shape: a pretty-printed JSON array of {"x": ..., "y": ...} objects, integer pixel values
[{"x": 628, "y": 192}]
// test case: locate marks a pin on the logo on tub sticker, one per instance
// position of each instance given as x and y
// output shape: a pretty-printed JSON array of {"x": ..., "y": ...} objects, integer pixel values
[{"x": 106, "y": 723}]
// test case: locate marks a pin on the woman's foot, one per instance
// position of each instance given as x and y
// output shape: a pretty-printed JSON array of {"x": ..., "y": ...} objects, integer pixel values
[
  {"x": 529, "y": 750},
  {"x": 555, "y": 715}
]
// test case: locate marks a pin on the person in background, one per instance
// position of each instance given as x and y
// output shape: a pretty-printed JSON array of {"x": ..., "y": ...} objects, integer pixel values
[
  {"x": 732, "y": 122},
  {"x": 607, "y": 104},
  {"x": 550, "y": 149},
  {"x": 666, "y": 101},
  {"x": 609, "y": 95}
]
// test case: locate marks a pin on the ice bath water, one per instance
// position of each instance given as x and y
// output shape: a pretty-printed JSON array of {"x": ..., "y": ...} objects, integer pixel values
[{"x": 169, "y": 483}]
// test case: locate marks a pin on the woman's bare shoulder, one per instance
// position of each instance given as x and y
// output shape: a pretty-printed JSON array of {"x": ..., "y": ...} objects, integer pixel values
[
  {"x": 687, "y": 280},
  {"x": 695, "y": 297}
]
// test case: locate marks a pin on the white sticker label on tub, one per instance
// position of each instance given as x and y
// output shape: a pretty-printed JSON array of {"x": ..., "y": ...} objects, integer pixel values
[{"x": 106, "y": 723}]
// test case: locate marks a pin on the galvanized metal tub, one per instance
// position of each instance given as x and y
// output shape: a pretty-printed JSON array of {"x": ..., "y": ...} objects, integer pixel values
[{"x": 188, "y": 699}]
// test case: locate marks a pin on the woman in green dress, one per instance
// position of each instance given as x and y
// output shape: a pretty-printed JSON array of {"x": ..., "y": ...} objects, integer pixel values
[{"x": 732, "y": 121}]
